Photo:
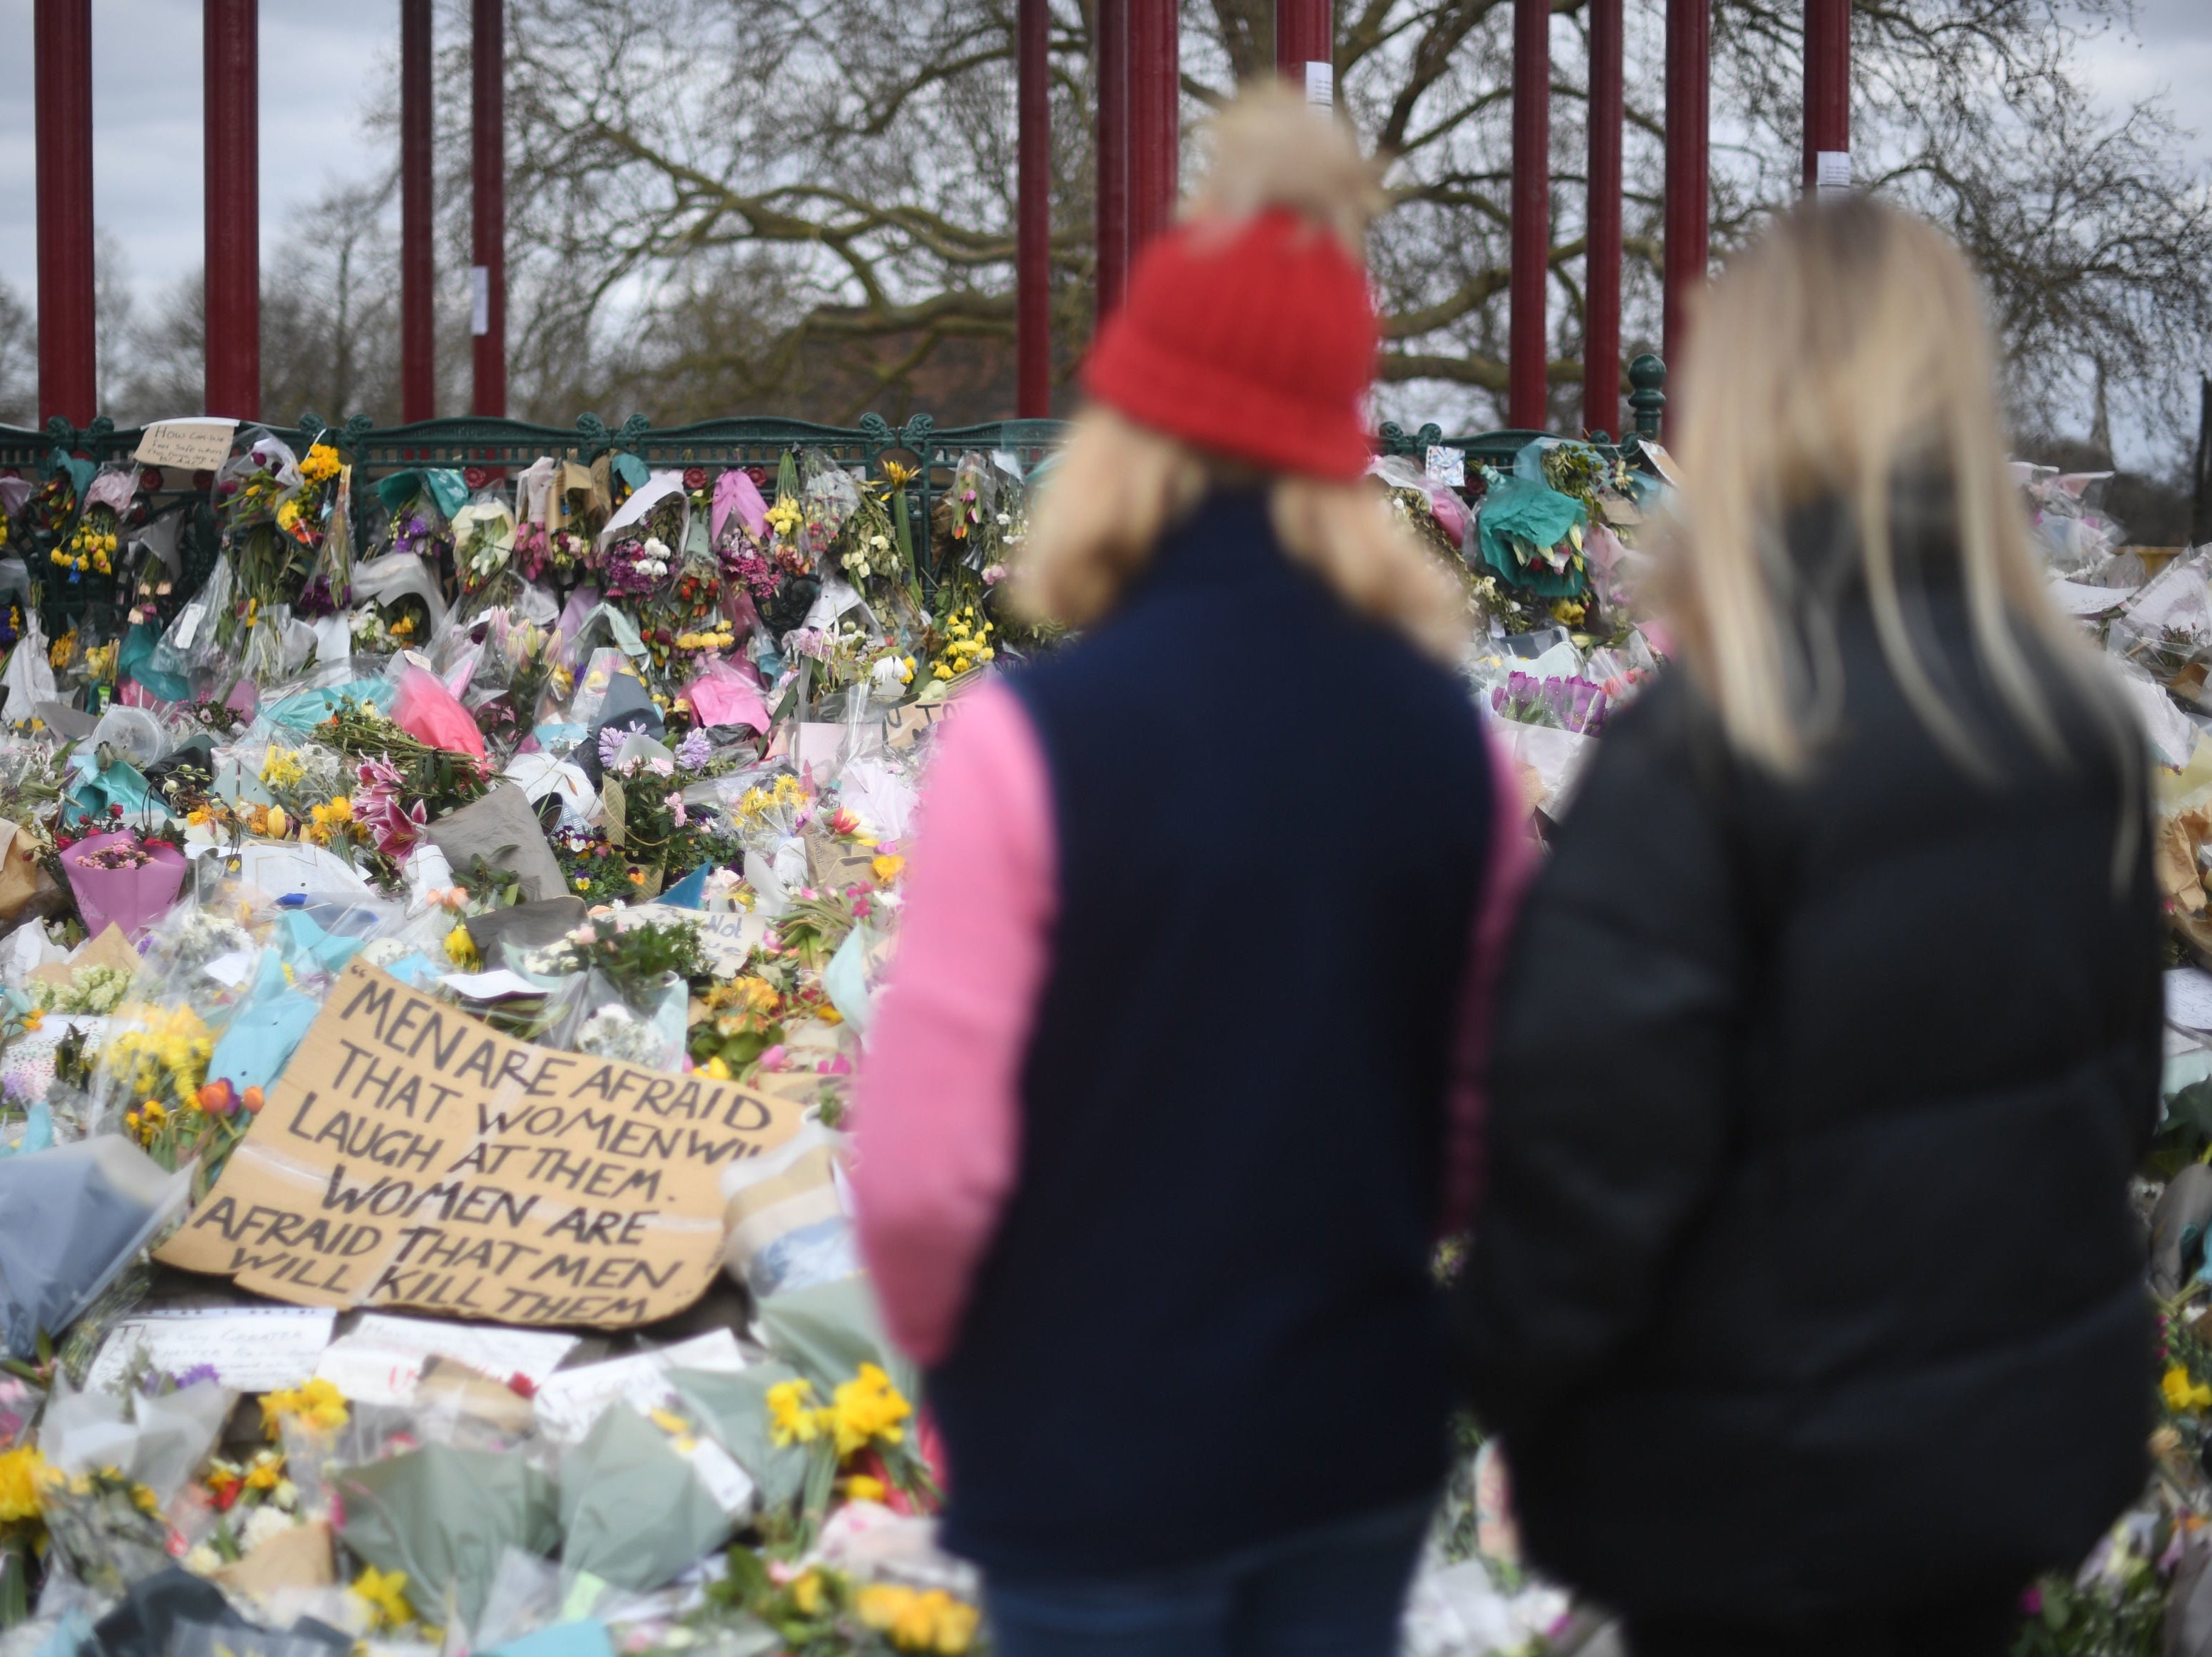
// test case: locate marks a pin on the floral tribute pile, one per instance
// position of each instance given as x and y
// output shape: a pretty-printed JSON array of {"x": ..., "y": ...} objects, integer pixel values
[{"x": 624, "y": 764}]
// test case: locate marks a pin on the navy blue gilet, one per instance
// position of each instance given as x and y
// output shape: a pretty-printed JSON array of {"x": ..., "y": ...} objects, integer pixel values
[{"x": 1206, "y": 1320}]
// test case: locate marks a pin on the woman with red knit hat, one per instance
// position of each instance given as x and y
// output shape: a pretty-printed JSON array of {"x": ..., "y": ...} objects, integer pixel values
[{"x": 1176, "y": 1078}]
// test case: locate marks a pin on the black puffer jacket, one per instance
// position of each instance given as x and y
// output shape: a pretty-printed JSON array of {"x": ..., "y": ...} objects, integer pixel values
[{"x": 1806, "y": 1275}]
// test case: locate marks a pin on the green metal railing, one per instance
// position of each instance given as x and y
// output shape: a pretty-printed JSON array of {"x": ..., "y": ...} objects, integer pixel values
[{"x": 498, "y": 445}]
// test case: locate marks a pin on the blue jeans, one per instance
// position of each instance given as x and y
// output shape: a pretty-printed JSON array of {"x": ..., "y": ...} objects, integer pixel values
[{"x": 1335, "y": 1591}]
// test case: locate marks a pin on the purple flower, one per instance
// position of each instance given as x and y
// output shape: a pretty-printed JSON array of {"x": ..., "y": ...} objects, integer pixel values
[
  {"x": 612, "y": 738},
  {"x": 193, "y": 1377},
  {"x": 693, "y": 752}
]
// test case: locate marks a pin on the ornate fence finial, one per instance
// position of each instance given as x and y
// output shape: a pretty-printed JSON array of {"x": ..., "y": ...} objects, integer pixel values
[{"x": 1647, "y": 376}]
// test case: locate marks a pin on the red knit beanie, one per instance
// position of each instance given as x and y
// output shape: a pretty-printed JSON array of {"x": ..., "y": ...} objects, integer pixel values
[{"x": 1254, "y": 339}]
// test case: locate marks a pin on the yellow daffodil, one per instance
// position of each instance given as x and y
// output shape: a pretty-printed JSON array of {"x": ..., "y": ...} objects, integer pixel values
[
  {"x": 793, "y": 1417},
  {"x": 867, "y": 1410},
  {"x": 319, "y": 1404},
  {"x": 929, "y": 1620},
  {"x": 2184, "y": 1394},
  {"x": 20, "y": 1471},
  {"x": 461, "y": 949},
  {"x": 899, "y": 476},
  {"x": 387, "y": 1594}
]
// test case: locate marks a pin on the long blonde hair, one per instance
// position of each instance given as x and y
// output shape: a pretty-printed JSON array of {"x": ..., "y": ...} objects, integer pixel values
[
  {"x": 1117, "y": 486},
  {"x": 1845, "y": 350}
]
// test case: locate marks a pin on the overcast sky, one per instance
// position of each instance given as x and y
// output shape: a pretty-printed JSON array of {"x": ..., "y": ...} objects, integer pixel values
[{"x": 321, "y": 65}]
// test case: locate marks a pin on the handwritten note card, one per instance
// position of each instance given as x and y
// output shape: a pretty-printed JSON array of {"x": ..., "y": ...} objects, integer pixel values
[
  {"x": 188, "y": 445},
  {"x": 251, "y": 1349}
]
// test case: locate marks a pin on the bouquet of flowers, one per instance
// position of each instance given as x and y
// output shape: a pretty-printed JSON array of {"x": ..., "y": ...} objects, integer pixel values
[
  {"x": 829, "y": 496},
  {"x": 92, "y": 547},
  {"x": 403, "y": 782},
  {"x": 380, "y": 630},
  {"x": 638, "y": 561},
  {"x": 739, "y": 517},
  {"x": 254, "y": 492},
  {"x": 324, "y": 521},
  {"x": 253, "y": 1500},
  {"x": 786, "y": 520},
  {"x": 483, "y": 537},
  {"x": 644, "y": 792},
  {"x": 51, "y": 512},
  {"x": 107, "y": 1527},
  {"x": 1567, "y": 705},
  {"x": 686, "y": 617},
  {"x": 960, "y": 644},
  {"x": 125, "y": 879}
]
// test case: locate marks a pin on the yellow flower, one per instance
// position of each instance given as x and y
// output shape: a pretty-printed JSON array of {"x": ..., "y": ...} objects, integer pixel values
[
  {"x": 276, "y": 822},
  {"x": 861, "y": 1488},
  {"x": 387, "y": 1594},
  {"x": 267, "y": 1471},
  {"x": 2182, "y": 1393},
  {"x": 806, "y": 1593},
  {"x": 318, "y": 1404},
  {"x": 898, "y": 476},
  {"x": 460, "y": 948},
  {"x": 791, "y": 1418},
  {"x": 785, "y": 516},
  {"x": 867, "y": 1410},
  {"x": 886, "y": 869},
  {"x": 930, "y": 1621},
  {"x": 20, "y": 1471},
  {"x": 718, "y": 1067}
]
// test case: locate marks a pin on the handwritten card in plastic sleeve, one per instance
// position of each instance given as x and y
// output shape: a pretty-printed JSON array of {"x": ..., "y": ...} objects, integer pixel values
[
  {"x": 187, "y": 445},
  {"x": 412, "y": 1157}
]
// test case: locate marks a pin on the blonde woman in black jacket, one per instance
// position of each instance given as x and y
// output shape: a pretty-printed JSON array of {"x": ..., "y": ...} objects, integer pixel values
[{"x": 1805, "y": 1292}]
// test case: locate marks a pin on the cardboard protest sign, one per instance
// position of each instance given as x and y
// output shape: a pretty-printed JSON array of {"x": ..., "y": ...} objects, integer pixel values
[{"x": 414, "y": 1157}]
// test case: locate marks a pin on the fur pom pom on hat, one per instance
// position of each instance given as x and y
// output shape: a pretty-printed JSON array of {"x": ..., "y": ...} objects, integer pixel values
[{"x": 1247, "y": 330}]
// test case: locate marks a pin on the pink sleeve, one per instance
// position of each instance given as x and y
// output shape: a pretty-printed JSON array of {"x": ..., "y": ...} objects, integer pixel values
[
  {"x": 938, "y": 1097},
  {"x": 1512, "y": 861}
]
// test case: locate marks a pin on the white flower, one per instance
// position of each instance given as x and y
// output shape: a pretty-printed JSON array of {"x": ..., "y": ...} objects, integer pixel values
[
  {"x": 654, "y": 548},
  {"x": 203, "y": 1560},
  {"x": 881, "y": 543},
  {"x": 1005, "y": 519},
  {"x": 261, "y": 1523}
]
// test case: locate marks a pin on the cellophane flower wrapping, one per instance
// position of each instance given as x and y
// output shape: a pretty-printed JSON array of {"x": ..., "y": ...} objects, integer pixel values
[
  {"x": 132, "y": 897},
  {"x": 426, "y": 710}
]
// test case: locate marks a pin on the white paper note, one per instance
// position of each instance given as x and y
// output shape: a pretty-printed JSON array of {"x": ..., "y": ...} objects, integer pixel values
[
  {"x": 2188, "y": 998},
  {"x": 571, "y": 1401},
  {"x": 231, "y": 969},
  {"x": 1321, "y": 85},
  {"x": 1832, "y": 172},
  {"x": 252, "y": 1349},
  {"x": 188, "y": 445},
  {"x": 489, "y": 986},
  {"x": 386, "y": 1354},
  {"x": 2080, "y": 599}
]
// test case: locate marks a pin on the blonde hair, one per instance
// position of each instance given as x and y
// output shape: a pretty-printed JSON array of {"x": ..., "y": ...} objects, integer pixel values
[
  {"x": 1841, "y": 352},
  {"x": 1117, "y": 486}
]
